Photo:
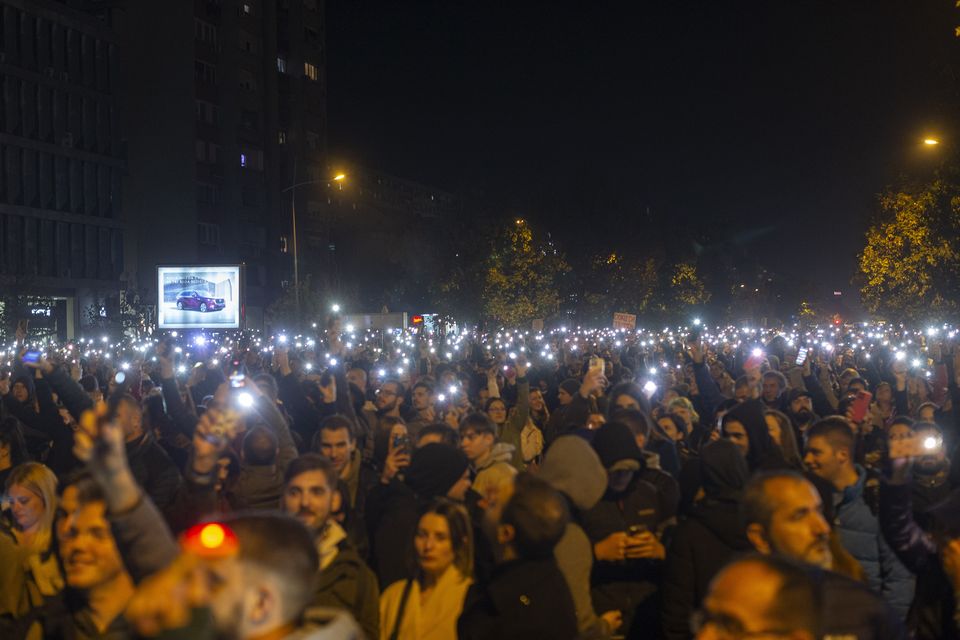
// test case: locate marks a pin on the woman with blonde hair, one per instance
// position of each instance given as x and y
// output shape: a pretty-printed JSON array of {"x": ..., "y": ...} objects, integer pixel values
[
  {"x": 29, "y": 573},
  {"x": 427, "y": 606}
]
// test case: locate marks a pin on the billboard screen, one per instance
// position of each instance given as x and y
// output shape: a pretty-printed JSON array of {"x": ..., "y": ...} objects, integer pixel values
[{"x": 198, "y": 297}]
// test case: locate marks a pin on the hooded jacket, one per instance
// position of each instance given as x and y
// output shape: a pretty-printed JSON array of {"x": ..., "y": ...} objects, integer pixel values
[
  {"x": 764, "y": 454},
  {"x": 494, "y": 468},
  {"x": 709, "y": 538},
  {"x": 573, "y": 468}
]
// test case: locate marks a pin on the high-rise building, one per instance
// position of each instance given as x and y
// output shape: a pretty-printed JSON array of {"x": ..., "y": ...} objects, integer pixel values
[
  {"x": 62, "y": 234},
  {"x": 223, "y": 105}
]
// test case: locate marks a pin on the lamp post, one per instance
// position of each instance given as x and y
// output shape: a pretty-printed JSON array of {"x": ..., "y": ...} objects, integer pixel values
[{"x": 339, "y": 178}]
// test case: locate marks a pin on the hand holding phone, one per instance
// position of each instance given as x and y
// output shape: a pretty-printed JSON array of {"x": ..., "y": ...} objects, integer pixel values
[
  {"x": 860, "y": 406},
  {"x": 801, "y": 356}
]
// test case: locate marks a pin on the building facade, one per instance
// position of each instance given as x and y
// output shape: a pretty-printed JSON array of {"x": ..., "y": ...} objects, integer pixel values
[{"x": 62, "y": 232}]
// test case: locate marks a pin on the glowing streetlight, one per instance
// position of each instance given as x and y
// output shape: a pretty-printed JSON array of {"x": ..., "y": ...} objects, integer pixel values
[
  {"x": 931, "y": 142},
  {"x": 340, "y": 177}
]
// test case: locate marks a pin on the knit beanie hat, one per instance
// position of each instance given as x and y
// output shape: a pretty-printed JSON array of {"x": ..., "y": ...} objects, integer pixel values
[{"x": 435, "y": 468}]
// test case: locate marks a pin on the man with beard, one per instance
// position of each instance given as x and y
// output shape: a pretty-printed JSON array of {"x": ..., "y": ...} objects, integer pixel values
[
  {"x": 800, "y": 411},
  {"x": 782, "y": 512},
  {"x": 931, "y": 473},
  {"x": 310, "y": 494}
]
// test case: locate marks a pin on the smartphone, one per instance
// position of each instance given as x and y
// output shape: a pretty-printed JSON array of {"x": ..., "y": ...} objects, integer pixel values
[
  {"x": 400, "y": 442},
  {"x": 801, "y": 356},
  {"x": 860, "y": 406},
  {"x": 637, "y": 529},
  {"x": 237, "y": 373},
  {"x": 915, "y": 446},
  {"x": 32, "y": 357},
  {"x": 693, "y": 337},
  {"x": 596, "y": 364}
]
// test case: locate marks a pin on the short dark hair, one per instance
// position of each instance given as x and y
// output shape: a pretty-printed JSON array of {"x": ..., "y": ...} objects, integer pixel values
[
  {"x": 538, "y": 515},
  {"x": 88, "y": 489},
  {"x": 479, "y": 422},
  {"x": 311, "y": 462},
  {"x": 742, "y": 381},
  {"x": 260, "y": 447},
  {"x": 758, "y": 505},
  {"x": 280, "y": 545},
  {"x": 797, "y": 604},
  {"x": 781, "y": 379},
  {"x": 836, "y": 431},
  {"x": 335, "y": 423},
  {"x": 448, "y": 435},
  {"x": 423, "y": 384},
  {"x": 89, "y": 383}
]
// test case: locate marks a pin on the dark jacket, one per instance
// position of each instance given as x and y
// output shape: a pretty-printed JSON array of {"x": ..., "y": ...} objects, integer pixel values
[
  {"x": 851, "y": 610},
  {"x": 260, "y": 487},
  {"x": 153, "y": 470},
  {"x": 707, "y": 540},
  {"x": 348, "y": 583},
  {"x": 524, "y": 599},
  {"x": 932, "y": 612},
  {"x": 629, "y": 586},
  {"x": 860, "y": 533}
]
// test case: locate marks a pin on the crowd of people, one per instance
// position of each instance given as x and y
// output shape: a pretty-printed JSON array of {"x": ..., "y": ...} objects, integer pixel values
[{"x": 511, "y": 485}]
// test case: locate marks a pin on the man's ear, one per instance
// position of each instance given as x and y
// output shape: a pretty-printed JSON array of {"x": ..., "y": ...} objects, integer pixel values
[
  {"x": 336, "y": 502},
  {"x": 758, "y": 538},
  {"x": 505, "y": 534}
]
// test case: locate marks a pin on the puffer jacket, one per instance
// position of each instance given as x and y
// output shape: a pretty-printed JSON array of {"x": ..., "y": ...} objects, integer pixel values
[
  {"x": 860, "y": 533},
  {"x": 573, "y": 468}
]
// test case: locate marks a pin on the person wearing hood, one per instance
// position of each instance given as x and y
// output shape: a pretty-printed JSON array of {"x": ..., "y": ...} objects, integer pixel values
[
  {"x": 573, "y": 468},
  {"x": 747, "y": 428},
  {"x": 436, "y": 470},
  {"x": 490, "y": 460},
  {"x": 709, "y": 538},
  {"x": 625, "y": 528}
]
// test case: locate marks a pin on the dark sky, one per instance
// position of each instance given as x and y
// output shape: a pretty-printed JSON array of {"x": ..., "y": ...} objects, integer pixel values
[{"x": 725, "y": 114}]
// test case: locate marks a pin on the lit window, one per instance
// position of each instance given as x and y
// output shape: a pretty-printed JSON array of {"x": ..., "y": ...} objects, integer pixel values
[
  {"x": 243, "y": 159},
  {"x": 311, "y": 71},
  {"x": 281, "y": 137},
  {"x": 281, "y": 64},
  {"x": 246, "y": 8}
]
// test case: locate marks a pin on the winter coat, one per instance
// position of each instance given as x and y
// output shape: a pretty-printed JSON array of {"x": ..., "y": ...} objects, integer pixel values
[
  {"x": 348, "y": 583},
  {"x": 709, "y": 538},
  {"x": 260, "y": 487},
  {"x": 932, "y": 612},
  {"x": 860, "y": 533},
  {"x": 851, "y": 610},
  {"x": 572, "y": 467},
  {"x": 629, "y": 586},
  {"x": 153, "y": 470},
  {"x": 435, "y": 619},
  {"x": 524, "y": 599}
]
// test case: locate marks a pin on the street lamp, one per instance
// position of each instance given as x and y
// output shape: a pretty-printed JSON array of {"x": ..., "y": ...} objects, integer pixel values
[
  {"x": 931, "y": 142},
  {"x": 339, "y": 178}
]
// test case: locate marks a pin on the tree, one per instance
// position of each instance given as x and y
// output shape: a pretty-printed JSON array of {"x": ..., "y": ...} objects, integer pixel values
[
  {"x": 911, "y": 260},
  {"x": 618, "y": 282},
  {"x": 520, "y": 283}
]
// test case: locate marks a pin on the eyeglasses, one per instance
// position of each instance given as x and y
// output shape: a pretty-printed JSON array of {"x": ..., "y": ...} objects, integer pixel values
[
  {"x": 728, "y": 627},
  {"x": 386, "y": 392}
]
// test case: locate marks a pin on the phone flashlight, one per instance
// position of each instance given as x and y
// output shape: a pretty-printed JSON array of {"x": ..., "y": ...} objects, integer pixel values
[
  {"x": 932, "y": 443},
  {"x": 441, "y": 397},
  {"x": 245, "y": 400}
]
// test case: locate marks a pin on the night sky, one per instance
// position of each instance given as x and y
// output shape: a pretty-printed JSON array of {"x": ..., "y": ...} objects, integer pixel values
[{"x": 779, "y": 118}]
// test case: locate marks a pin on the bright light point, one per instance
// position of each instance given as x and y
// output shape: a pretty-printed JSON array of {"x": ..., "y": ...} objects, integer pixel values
[
  {"x": 212, "y": 536},
  {"x": 827, "y": 346},
  {"x": 199, "y": 341},
  {"x": 103, "y": 339},
  {"x": 181, "y": 369},
  {"x": 653, "y": 371},
  {"x": 309, "y": 367},
  {"x": 696, "y": 322},
  {"x": 930, "y": 442},
  {"x": 382, "y": 372},
  {"x": 756, "y": 353},
  {"x": 452, "y": 389},
  {"x": 441, "y": 397},
  {"x": 931, "y": 142},
  {"x": 349, "y": 328},
  {"x": 282, "y": 339},
  {"x": 124, "y": 365},
  {"x": 340, "y": 177},
  {"x": 333, "y": 362},
  {"x": 399, "y": 371},
  {"x": 932, "y": 331},
  {"x": 245, "y": 400},
  {"x": 215, "y": 362},
  {"x": 650, "y": 388},
  {"x": 916, "y": 362},
  {"x": 335, "y": 308},
  {"x": 173, "y": 334},
  {"x": 900, "y": 355}
]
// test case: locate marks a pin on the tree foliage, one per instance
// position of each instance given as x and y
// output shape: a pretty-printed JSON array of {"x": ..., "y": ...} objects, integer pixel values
[
  {"x": 619, "y": 283},
  {"x": 521, "y": 277},
  {"x": 910, "y": 263}
]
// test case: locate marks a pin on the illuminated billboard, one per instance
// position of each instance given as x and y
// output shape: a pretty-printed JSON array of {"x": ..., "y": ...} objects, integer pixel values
[{"x": 198, "y": 297}]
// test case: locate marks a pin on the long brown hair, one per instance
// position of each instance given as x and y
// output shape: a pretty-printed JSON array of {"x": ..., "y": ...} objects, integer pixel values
[{"x": 461, "y": 532}]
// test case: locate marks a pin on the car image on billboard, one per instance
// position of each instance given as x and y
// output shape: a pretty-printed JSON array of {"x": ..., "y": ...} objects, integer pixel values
[{"x": 198, "y": 296}]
